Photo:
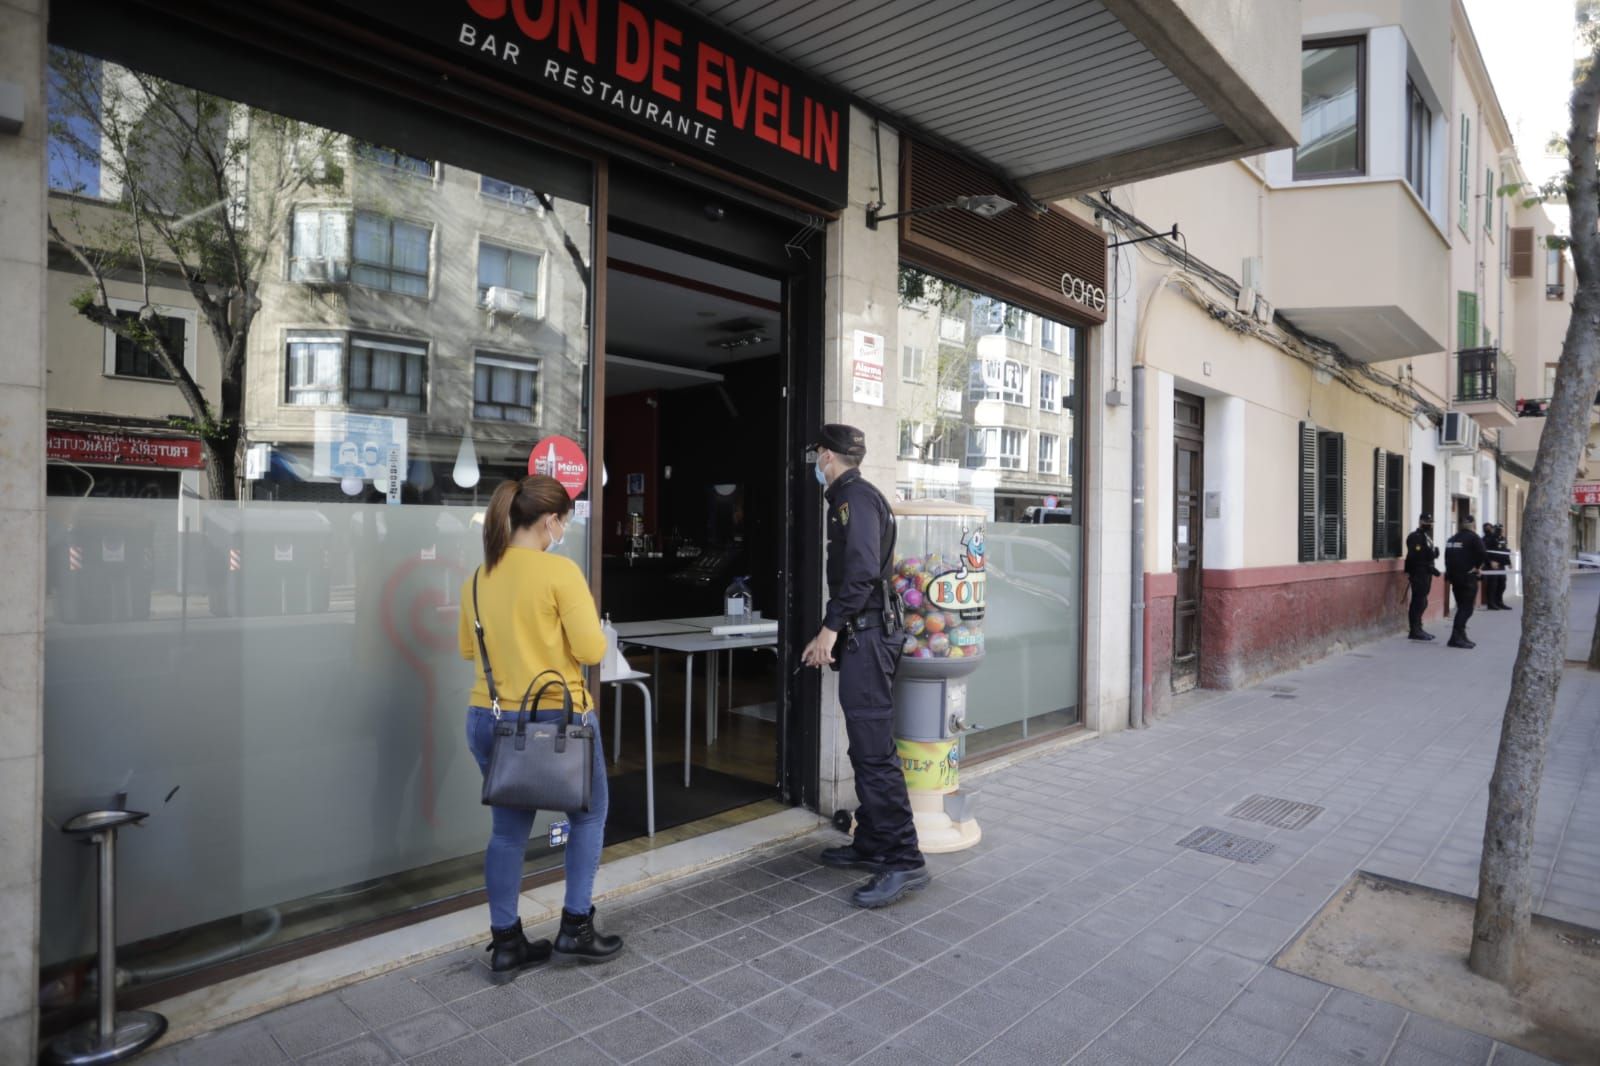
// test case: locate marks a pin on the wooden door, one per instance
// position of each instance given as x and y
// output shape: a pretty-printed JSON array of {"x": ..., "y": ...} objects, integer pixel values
[{"x": 1188, "y": 527}]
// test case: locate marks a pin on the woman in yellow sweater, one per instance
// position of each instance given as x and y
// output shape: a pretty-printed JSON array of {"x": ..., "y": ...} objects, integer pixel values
[{"x": 537, "y": 615}]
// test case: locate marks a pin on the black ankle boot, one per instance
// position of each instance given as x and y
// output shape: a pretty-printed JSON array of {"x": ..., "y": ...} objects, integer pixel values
[
  {"x": 578, "y": 939},
  {"x": 514, "y": 952}
]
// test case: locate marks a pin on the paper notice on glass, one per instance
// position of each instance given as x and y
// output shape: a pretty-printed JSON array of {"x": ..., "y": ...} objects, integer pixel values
[
  {"x": 866, "y": 374},
  {"x": 357, "y": 446},
  {"x": 580, "y": 509},
  {"x": 1183, "y": 534}
]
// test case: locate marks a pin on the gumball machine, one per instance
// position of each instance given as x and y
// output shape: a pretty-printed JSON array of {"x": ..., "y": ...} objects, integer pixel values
[{"x": 939, "y": 573}]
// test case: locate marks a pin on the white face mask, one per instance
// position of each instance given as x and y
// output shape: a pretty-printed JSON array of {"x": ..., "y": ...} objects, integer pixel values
[
  {"x": 822, "y": 479},
  {"x": 555, "y": 541}
]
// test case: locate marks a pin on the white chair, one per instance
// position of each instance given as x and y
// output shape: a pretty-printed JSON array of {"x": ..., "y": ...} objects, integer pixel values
[{"x": 617, "y": 673}]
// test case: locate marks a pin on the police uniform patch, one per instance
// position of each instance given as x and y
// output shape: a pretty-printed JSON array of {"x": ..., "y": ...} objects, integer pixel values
[{"x": 844, "y": 514}]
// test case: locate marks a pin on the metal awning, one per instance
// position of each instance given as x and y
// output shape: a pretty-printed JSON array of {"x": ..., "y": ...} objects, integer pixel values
[{"x": 1058, "y": 95}]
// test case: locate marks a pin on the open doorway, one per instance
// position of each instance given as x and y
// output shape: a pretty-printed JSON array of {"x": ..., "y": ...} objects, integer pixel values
[{"x": 694, "y": 508}]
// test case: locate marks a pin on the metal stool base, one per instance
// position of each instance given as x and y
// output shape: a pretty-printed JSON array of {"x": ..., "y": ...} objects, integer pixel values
[{"x": 135, "y": 1030}]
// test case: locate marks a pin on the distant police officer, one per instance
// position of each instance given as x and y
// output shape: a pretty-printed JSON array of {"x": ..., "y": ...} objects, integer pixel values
[
  {"x": 1494, "y": 586},
  {"x": 861, "y": 639},
  {"x": 1421, "y": 555},
  {"x": 1463, "y": 560}
]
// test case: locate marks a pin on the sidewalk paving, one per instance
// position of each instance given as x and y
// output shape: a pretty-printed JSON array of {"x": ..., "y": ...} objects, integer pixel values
[{"x": 1075, "y": 932}]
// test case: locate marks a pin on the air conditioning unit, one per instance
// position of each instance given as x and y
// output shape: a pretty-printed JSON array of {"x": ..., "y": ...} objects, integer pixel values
[
  {"x": 1463, "y": 484},
  {"x": 1263, "y": 311},
  {"x": 1246, "y": 303},
  {"x": 1459, "y": 432},
  {"x": 503, "y": 301}
]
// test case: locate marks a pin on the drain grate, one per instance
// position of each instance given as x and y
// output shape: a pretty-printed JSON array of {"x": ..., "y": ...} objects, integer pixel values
[
  {"x": 1227, "y": 845},
  {"x": 1278, "y": 813}
]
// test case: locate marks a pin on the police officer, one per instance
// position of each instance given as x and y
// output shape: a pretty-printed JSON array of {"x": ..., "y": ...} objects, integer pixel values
[
  {"x": 1463, "y": 561},
  {"x": 1494, "y": 588},
  {"x": 861, "y": 639},
  {"x": 1421, "y": 557}
]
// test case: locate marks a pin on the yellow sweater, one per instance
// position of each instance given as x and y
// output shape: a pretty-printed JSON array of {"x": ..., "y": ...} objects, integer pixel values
[{"x": 538, "y": 615}]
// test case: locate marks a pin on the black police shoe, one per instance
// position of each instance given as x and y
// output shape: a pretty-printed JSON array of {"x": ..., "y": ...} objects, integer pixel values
[
  {"x": 1420, "y": 635},
  {"x": 846, "y": 857},
  {"x": 1460, "y": 642},
  {"x": 888, "y": 886}
]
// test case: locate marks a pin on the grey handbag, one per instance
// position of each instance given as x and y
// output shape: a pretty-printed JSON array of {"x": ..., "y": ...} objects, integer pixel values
[{"x": 535, "y": 765}]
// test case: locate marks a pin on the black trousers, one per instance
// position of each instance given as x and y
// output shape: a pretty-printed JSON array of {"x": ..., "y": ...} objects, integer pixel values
[
  {"x": 1494, "y": 591},
  {"x": 1420, "y": 587},
  {"x": 1465, "y": 590},
  {"x": 884, "y": 826}
]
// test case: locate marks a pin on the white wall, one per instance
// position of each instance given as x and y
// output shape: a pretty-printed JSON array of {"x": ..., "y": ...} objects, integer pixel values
[{"x": 1224, "y": 475}]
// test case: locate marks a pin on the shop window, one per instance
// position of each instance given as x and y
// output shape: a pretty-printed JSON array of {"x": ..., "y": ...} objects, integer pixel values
[
  {"x": 912, "y": 363},
  {"x": 1013, "y": 449},
  {"x": 504, "y": 389},
  {"x": 1332, "y": 110},
  {"x": 1419, "y": 141},
  {"x": 127, "y": 357},
  {"x": 390, "y": 254},
  {"x": 505, "y": 193},
  {"x": 1322, "y": 494},
  {"x": 1388, "y": 503},
  {"x": 508, "y": 279},
  {"x": 1049, "y": 391},
  {"x": 393, "y": 159},
  {"x": 1049, "y": 447}
]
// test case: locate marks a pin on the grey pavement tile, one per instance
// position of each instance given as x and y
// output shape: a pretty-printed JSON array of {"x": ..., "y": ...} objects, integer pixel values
[
  {"x": 248, "y": 1044},
  {"x": 683, "y": 1052},
  {"x": 591, "y": 1008},
  {"x": 784, "y": 895},
  {"x": 835, "y": 987},
  {"x": 557, "y": 981},
  {"x": 1178, "y": 1011},
  {"x": 424, "y": 1032},
  {"x": 1417, "y": 1055},
  {"x": 644, "y": 986},
  {"x": 788, "y": 1011},
  {"x": 915, "y": 945},
  {"x": 885, "y": 1011},
  {"x": 1279, "y": 1015},
  {"x": 744, "y": 944},
  {"x": 702, "y": 925},
  {"x": 1109, "y": 1052},
  {"x": 1505, "y": 1055},
  {"x": 458, "y": 979},
  {"x": 1309, "y": 1054},
  {"x": 362, "y": 1051},
  {"x": 387, "y": 999},
  {"x": 927, "y": 984},
  {"x": 1345, "y": 1037},
  {"x": 575, "y": 1052},
  {"x": 672, "y": 907},
  {"x": 493, "y": 1005},
  {"x": 1281, "y": 984},
  {"x": 699, "y": 962},
  {"x": 938, "y": 1041},
  {"x": 788, "y": 964},
  {"x": 1019, "y": 986},
  {"x": 785, "y": 927},
  {"x": 740, "y": 986},
  {"x": 660, "y": 942},
  {"x": 744, "y": 909},
  {"x": 834, "y": 1039},
  {"x": 690, "y": 1009},
  {"x": 315, "y": 1024},
  {"x": 830, "y": 909},
  {"x": 1255, "y": 938},
  {"x": 632, "y": 1036},
  {"x": 1256, "y": 1043},
  {"x": 1057, "y": 1032},
  {"x": 875, "y": 964},
  {"x": 712, "y": 892},
  {"x": 830, "y": 944},
  {"x": 1445, "y": 1038},
  {"x": 471, "y": 1051},
  {"x": 1151, "y": 1040},
  {"x": 528, "y": 1032},
  {"x": 736, "y": 1037}
]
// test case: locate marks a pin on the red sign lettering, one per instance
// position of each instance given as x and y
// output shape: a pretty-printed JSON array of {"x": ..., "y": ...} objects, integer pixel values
[{"x": 116, "y": 449}]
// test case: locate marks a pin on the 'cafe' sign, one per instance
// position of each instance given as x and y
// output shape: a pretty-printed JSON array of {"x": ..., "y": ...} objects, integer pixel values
[{"x": 657, "y": 70}]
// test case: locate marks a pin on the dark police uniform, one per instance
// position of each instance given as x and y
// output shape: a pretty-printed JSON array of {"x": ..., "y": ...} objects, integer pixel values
[
  {"x": 1463, "y": 558},
  {"x": 1494, "y": 588},
  {"x": 860, "y": 560},
  {"x": 1421, "y": 555}
]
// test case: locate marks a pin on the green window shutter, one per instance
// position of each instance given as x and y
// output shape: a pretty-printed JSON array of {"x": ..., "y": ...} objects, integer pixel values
[
  {"x": 1488, "y": 201},
  {"x": 1466, "y": 320},
  {"x": 1308, "y": 492},
  {"x": 1465, "y": 173}
]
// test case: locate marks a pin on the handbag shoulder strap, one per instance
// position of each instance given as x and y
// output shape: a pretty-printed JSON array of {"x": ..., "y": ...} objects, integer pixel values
[{"x": 483, "y": 648}]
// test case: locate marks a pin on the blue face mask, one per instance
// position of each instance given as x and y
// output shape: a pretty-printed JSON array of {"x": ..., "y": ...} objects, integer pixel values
[{"x": 822, "y": 479}]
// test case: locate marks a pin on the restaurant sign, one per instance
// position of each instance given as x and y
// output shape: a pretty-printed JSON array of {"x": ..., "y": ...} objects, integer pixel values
[
  {"x": 1586, "y": 493},
  {"x": 656, "y": 69},
  {"x": 118, "y": 449}
]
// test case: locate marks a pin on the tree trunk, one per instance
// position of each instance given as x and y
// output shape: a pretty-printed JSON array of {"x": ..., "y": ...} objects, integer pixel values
[
  {"x": 1505, "y": 901},
  {"x": 1594, "y": 641}
]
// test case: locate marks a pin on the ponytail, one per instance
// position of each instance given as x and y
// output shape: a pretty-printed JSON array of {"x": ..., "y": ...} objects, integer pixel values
[{"x": 517, "y": 505}]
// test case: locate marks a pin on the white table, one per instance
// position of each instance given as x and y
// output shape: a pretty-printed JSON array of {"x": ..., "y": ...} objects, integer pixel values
[
  {"x": 636, "y": 678},
  {"x": 692, "y": 644}
]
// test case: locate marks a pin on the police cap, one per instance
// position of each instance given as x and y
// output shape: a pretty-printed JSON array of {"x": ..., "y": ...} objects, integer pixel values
[{"x": 842, "y": 440}]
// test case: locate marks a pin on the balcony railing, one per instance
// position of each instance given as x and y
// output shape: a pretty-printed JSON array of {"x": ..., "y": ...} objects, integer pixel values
[
  {"x": 1485, "y": 375},
  {"x": 1540, "y": 407}
]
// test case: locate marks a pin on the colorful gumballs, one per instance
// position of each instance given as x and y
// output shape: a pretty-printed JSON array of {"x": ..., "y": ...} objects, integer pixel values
[
  {"x": 910, "y": 565},
  {"x": 956, "y": 652},
  {"x": 961, "y": 636},
  {"x": 911, "y": 645},
  {"x": 923, "y": 652},
  {"x": 915, "y": 624},
  {"x": 934, "y": 622},
  {"x": 912, "y": 597},
  {"x": 933, "y": 563},
  {"x": 939, "y": 644},
  {"x": 902, "y": 585}
]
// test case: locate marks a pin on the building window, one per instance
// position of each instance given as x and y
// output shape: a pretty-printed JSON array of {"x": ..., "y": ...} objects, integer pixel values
[
  {"x": 1488, "y": 202},
  {"x": 515, "y": 274},
  {"x": 1519, "y": 253},
  {"x": 387, "y": 376},
  {"x": 1332, "y": 106},
  {"x": 1419, "y": 141},
  {"x": 1049, "y": 391},
  {"x": 395, "y": 159},
  {"x": 1463, "y": 206},
  {"x": 1013, "y": 449},
  {"x": 1049, "y": 449},
  {"x": 1005, "y": 380},
  {"x": 1388, "y": 503},
  {"x": 1466, "y": 320},
  {"x": 908, "y": 440},
  {"x": 391, "y": 254},
  {"x": 1555, "y": 274},
  {"x": 912, "y": 363},
  {"x": 983, "y": 448},
  {"x": 1018, "y": 324},
  {"x": 126, "y": 359},
  {"x": 504, "y": 389},
  {"x": 366, "y": 373},
  {"x": 1049, "y": 335},
  {"x": 504, "y": 192},
  {"x": 1322, "y": 494},
  {"x": 320, "y": 252}
]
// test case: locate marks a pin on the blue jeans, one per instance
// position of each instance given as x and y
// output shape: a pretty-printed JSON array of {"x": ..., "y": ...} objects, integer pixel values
[{"x": 508, "y": 841}]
